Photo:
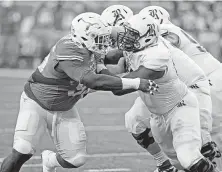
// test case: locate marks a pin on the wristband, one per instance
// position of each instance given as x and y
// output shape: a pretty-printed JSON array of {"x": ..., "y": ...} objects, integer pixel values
[{"x": 129, "y": 83}]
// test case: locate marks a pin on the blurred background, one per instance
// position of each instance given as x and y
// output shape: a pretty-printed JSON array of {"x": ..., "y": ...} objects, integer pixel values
[{"x": 28, "y": 29}]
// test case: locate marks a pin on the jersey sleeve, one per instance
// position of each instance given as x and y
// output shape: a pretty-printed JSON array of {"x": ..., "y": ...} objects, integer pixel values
[
  {"x": 75, "y": 70},
  {"x": 173, "y": 38},
  {"x": 74, "y": 61},
  {"x": 169, "y": 32},
  {"x": 69, "y": 50},
  {"x": 157, "y": 62}
]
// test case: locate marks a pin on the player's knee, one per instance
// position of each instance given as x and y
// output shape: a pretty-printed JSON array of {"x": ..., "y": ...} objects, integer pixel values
[
  {"x": 79, "y": 160},
  {"x": 23, "y": 146},
  {"x": 188, "y": 155},
  {"x": 72, "y": 162},
  {"x": 144, "y": 139}
]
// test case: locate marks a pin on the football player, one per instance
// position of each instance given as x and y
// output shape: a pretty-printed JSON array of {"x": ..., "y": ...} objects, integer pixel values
[
  {"x": 171, "y": 128},
  {"x": 137, "y": 118},
  {"x": 210, "y": 65},
  {"x": 50, "y": 94}
]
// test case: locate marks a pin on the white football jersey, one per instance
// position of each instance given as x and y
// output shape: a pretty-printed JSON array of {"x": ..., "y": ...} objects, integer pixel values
[
  {"x": 171, "y": 88},
  {"x": 185, "y": 42},
  {"x": 188, "y": 71}
]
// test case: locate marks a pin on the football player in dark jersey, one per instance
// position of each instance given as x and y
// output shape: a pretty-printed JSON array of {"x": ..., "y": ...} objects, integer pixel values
[{"x": 50, "y": 94}]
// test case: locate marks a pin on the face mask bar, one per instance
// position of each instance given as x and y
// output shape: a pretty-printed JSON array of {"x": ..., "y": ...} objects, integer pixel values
[
  {"x": 128, "y": 40},
  {"x": 102, "y": 42}
]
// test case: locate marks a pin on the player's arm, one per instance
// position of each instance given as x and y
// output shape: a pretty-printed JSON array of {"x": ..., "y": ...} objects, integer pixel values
[
  {"x": 82, "y": 73},
  {"x": 141, "y": 72},
  {"x": 118, "y": 68},
  {"x": 113, "y": 56}
]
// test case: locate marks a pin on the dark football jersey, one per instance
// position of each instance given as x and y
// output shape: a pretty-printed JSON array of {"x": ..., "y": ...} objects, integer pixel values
[{"x": 56, "y": 83}]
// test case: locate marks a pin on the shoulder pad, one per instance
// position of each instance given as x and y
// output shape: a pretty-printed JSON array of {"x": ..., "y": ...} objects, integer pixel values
[{"x": 67, "y": 49}]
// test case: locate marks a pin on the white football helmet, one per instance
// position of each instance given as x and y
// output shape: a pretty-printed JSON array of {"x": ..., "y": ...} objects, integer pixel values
[
  {"x": 116, "y": 15},
  {"x": 139, "y": 33},
  {"x": 158, "y": 13},
  {"x": 91, "y": 32}
]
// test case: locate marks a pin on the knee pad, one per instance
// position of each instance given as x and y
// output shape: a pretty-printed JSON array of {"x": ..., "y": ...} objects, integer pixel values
[
  {"x": 23, "y": 146},
  {"x": 72, "y": 162},
  {"x": 203, "y": 165},
  {"x": 188, "y": 155},
  {"x": 143, "y": 139}
]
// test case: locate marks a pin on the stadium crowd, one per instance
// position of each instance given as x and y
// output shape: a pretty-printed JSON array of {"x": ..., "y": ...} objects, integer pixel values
[{"x": 29, "y": 29}]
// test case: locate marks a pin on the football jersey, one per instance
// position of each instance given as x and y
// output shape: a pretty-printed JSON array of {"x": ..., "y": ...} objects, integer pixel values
[
  {"x": 50, "y": 86},
  {"x": 188, "y": 71},
  {"x": 171, "y": 88},
  {"x": 185, "y": 42}
]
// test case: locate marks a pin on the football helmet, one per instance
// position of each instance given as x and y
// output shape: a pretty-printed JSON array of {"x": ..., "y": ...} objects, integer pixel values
[
  {"x": 116, "y": 15},
  {"x": 158, "y": 13},
  {"x": 140, "y": 32},
  {"x": 91, "y": 32}
]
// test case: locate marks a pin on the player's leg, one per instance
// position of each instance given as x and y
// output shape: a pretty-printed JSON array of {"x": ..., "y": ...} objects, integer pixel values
[
  {"x": 215, "y": 79},
  {"x": 202, "y": 92},
  {"x": 185, "y": 127},
  {"x": 29, "y": 129},
  {"x": 137, "y": 123},
  {"x": 70, "y": 139}
]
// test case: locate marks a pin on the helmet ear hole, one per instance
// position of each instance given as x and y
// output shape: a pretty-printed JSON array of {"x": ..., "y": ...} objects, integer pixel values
[
  {"x": 147, "y": 40},
  {"x": 84, "y": 38}
]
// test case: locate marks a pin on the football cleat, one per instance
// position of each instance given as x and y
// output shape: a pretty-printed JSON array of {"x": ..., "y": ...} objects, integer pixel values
[
  {"x": 210, "y": 151},
  {"x": 166, "y": 167}
]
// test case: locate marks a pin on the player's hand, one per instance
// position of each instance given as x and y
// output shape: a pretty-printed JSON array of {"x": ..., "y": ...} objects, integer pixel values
[{"x": 148, "y": 86}]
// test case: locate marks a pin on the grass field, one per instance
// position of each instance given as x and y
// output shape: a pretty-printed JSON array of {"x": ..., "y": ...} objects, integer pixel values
[{"x": 110, "y": 146}]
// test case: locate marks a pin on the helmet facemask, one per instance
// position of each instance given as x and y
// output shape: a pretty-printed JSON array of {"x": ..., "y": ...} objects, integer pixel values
[
  {"x": 101, "y": 44},
  {"x": 128, "y": 40},
  {"x": 132, "y": 40}
]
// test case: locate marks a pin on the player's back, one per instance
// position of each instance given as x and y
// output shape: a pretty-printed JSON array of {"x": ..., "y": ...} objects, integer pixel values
[
  {"x": 171, "y": 88},
  {"x": 188, "y": 71},
  {"x": 50, "y": 86},
  {"x": 191, "y": 47}
]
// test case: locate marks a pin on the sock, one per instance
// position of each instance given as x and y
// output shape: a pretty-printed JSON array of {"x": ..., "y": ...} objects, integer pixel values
[
  {"x": 206, "y": 137},
  {"x": 52, "y": 160},
  {"x": 160, "y": 158}
]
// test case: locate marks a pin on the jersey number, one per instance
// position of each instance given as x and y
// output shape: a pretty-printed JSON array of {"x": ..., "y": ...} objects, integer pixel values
[{"x": 199, "y": 47}]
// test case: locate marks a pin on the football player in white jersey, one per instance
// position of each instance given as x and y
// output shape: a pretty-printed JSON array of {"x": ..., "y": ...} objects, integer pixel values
[
  {"x": 115, "y": 15},
  {"x": 210, "y": 65},
  {"x": 175, "y": 118},
  {"x": 137, "y": 118}
]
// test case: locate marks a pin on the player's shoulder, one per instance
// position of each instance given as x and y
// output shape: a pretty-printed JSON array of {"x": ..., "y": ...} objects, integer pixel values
[
  {"x": 69, "y": 49},
  {"x": 155, "y": 52},
  {"x": 171, "y": 33}
]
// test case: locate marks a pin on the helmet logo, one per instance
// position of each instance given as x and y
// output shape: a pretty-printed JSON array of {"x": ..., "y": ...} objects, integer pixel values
[
  {"x": 117, "y": 15},
  {"x": 151, "y": 31},
  {"x": 153, "y": 13},
  {"x": 89, "y": 25}
]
